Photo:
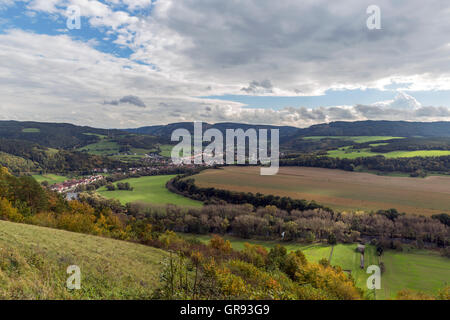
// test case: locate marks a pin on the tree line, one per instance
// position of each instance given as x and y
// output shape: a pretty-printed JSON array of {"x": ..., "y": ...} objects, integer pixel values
[
  {"x": 412, "y": 165},
  {"x": 187, "y": 187}
]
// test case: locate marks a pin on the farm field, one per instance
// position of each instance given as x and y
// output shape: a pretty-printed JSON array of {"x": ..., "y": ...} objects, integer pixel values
[
  {"x": 102, "y": 148},
  {"x": 347, "y": 153},
  {"x": 340, "y": 190},
  {"x": 150, "y": 189},
  {"x": 418, "y": 270},
  {"x": 34, "y": 261},
  {"x": 51, "y": 178}
]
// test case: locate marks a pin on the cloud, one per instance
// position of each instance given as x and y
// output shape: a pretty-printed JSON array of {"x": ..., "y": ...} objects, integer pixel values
[
  {"x": 403, "y": 107},
  {"x": 401, "y": 101},
  {"x": 128, "y": 99},
  {"x": 256, "y": 87},
  {"x": 187, "y": 49}
]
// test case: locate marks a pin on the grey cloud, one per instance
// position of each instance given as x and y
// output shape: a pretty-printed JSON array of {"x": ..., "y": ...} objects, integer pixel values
[
  {"x": 309, "y": 46},
  {"x": 256, "y": 87},
  {"x": 134, "y": 100}
]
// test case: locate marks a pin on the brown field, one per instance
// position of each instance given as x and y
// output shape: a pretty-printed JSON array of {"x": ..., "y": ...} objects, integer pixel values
[{"x": 338, "y": 189}]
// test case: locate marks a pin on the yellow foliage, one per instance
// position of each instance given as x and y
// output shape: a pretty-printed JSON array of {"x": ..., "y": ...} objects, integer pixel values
[
  {"x": 220, "y": 244},
  {"x": 407, "y": 294},
  {"x": 8, "y": 212}
]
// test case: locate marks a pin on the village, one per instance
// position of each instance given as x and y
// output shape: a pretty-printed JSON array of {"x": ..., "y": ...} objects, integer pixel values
[{"x": 71, "y": 185}]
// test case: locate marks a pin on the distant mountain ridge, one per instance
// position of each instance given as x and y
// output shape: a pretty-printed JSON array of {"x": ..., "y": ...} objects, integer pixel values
[
  {"x": 340, "y": 128},
  {"x": 166, "y": 130},
  {"x": 379, "y": 128}
]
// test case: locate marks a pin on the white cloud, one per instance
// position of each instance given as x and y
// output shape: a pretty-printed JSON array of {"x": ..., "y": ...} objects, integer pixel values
[{"x": 212, "y": 47}]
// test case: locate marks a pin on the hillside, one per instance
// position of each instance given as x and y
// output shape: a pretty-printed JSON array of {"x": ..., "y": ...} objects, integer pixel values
[
  {"x": 33, "y": 262},
  {"x": 165, "y": 131},
  {"x": 379, "y": 128}
]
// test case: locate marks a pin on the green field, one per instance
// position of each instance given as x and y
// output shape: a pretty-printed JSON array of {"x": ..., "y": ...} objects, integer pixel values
[
  {"x": 357, "y": 139},
  {"x": 418, "y": 270},
  {"x": 349, "y": 153},
  {"x": 149, "y": 190},
  {"x": 31, "y": 130},
  {"x": 102, "y": 148},
  {"x": 33, "y": 263},
  {"x": 165, "y": 150},
  {"x": 51, "y": 178}
]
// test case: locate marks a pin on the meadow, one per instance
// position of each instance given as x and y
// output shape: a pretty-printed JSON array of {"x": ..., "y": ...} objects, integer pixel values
[
  {"x": 340, "y": 190},
  {"x": 150, "y": 189},
  {"x": 31, "y": 130},
  {"x": 102, "y": 148},
  {"x": 419, "y": 270},
  {"x": 33, "y": 263},
  {"x": 51, "y": 178},
  {"x": 165, "y": 150},
  {"x": 349, "y": 153}
]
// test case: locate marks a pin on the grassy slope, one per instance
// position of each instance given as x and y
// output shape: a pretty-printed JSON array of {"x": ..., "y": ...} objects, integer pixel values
[
  {"x": 165, "y": 150},
  {"x": 102, "y": 148},
  {"x": 33, "y": 262},
  {"x": 150, "y": 190},
  {"x": 51, "y": 178}
]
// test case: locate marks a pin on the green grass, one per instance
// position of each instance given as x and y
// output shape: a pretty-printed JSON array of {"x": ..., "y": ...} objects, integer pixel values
[
  {"x": 31, "y": 130},
  {"x": 345, "y": 256},
  {"x": 51, "y": 178},
  {"x": 33, "y": 263},
  {"x": 348, "y": 153},
  {"x": 101, "y": 136},
  {"x": 165, "y": 150},
  {"x": 419, "y": 270},
  {"x": 149, "y": 190},
  {"x": 357, "y": 139},
  {"x": 102, "y": 148}
]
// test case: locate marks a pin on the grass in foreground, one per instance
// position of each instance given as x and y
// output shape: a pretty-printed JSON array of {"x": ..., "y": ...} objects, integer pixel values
[
  {"x": 150, "y": 189},
  {"x": 33, "y": 263}
]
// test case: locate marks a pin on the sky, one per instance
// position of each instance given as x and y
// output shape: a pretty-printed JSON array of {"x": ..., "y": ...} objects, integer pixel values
[{"x": 132, "y": 63}]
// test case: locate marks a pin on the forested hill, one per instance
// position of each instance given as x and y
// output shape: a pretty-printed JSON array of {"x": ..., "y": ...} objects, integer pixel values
[
  {"x": 358, "y": 128},
  {"x": 52, "y": 135},
  {"x": 379, "y": 128},
  {"x": 166, "y": 130}
]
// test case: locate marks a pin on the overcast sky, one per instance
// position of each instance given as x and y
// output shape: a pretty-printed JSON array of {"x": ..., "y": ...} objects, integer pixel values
[{"x": 140, "y": 62}]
